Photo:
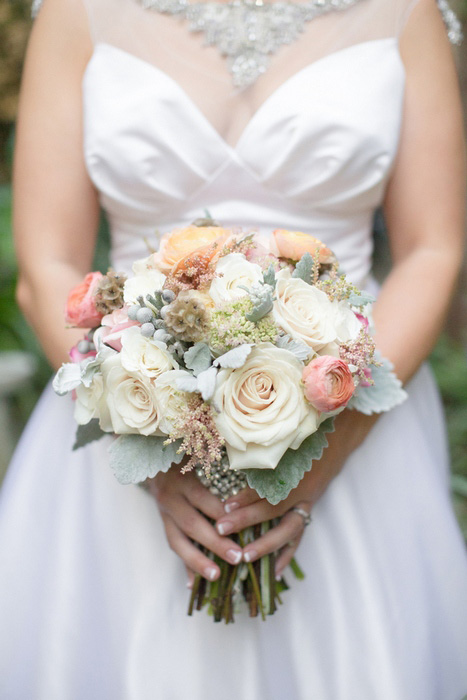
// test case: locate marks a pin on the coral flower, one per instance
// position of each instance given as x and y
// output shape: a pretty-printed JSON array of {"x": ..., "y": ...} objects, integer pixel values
[
  {"x": 293, "y": 244},
  {"x": 328, "y": 383},
  {"x": 81, "y": 303}
]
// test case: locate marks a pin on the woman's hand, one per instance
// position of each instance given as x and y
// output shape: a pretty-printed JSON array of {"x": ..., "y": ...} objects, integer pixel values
[
  {"x": 248, "y": 509},
  {"x": 185, "y": 504}
]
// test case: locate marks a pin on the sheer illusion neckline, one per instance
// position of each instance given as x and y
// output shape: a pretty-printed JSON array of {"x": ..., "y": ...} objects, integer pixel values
[{"x": 234, "y": 149}]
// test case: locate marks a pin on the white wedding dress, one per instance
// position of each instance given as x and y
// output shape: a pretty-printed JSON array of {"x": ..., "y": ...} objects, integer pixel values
[{"x": 93, "y": 602}]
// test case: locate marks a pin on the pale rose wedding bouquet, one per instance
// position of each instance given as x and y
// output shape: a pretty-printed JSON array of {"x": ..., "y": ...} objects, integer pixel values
[{"x": 229, "y": 355}]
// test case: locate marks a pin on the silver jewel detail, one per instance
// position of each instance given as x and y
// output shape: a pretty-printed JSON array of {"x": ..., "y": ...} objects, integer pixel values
[
  {"x": 247, "y": 32},
  {"x": 222, "y": 481},
  {"x": 453, "y": 25}
]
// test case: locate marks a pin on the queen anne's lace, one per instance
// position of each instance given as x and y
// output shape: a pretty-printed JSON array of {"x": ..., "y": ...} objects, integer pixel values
[{"x": 247, "y": 32}]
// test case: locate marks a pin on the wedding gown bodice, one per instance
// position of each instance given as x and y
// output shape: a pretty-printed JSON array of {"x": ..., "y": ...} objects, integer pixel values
[{"x": 313, "y": 153}]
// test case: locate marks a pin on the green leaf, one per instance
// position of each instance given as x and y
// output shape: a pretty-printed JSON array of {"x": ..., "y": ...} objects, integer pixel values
[
  {"x": 134, "y": 458},
  {"x": 198, "y": 358},
  {"x": 88, "y": 433},
  {"x": 304, "y": 268},
  {"x": 269, "y": 276},
  {"x": 361, "y": 299},
  {"x": 384, "y": 394},
  {"x": 276, "y": 484}
]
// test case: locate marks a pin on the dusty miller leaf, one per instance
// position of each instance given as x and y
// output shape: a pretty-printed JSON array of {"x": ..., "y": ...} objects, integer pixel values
[
  {"x": 304, "y": 268},
  {"x": 187, "y": 383},
  {"x": 198, "y": 358},
  {"x": 207, "y": 383},
  {"x": 269, "y": 276},
  {"x": 300, "y": 350},
  {"x": 67, "y": 378},
  {"x": 134, "y": 458},
  {"x": 384, "y": 394},
  {"x": 88, "y": 433},
  {"x": 233, "y": 359},
  {"x": 262, "y": 303},
  {"x": 89, "y": 368},
  {"x": 276, "y": 484},
  {"x": 361, "y": 299}
]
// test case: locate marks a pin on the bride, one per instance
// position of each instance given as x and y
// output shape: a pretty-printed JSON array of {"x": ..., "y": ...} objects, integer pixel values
[{"x": 325, "y": 110}]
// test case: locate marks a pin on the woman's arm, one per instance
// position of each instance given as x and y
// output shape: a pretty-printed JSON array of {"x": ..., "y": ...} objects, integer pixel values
[
  {"x": 424, "y": 210},
  {"x": 55, "y": 213}
]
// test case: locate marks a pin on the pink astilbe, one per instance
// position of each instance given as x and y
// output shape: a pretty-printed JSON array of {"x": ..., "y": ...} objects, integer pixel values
[
  {"x": 201, "y": 441},
  {"x": 361, "y": 354}
]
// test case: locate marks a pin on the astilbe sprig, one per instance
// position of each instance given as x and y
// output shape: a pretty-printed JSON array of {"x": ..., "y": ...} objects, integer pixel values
[
  {"x": 201, "y": 441},
  {"x": 361, "y": 354},
  {"x": 336, "y": 286}
]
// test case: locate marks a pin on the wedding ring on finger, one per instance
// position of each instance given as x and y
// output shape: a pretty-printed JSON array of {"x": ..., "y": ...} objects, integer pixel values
[{"x": 303, "y": 513}]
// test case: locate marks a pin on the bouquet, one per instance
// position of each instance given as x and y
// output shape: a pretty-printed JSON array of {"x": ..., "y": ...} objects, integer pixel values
[{"x": 229, "y": 355}]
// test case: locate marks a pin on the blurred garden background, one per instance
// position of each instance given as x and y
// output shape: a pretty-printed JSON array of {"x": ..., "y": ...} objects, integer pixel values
[{"x": 23, "y": 368}]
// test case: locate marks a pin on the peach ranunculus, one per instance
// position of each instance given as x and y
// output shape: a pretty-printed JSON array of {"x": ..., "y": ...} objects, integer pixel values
[
  {"x": 328, "y": 383},
  {"x": 180, "y": 243},
  {"x": 81, "y": 303},
  {"x": 293, "y": 244}
]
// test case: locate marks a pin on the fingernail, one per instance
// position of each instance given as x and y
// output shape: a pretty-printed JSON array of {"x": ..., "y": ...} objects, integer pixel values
[
  {"x": 224, "y": 528},
  {"x": 278, "y": 577},
  {"x": 250, "y": 555},
  {"x": 189, "y": 584},
  {"x": 210, "y": 573},
  {"x": 229, "y": 507},
  {"x": 234, "y": 555}
]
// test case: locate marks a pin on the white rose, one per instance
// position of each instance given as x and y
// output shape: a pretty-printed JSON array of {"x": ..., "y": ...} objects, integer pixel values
[
  {"x": 144, "y": 355},
  {"x": 304, "y": 312},
  {"x": 141, "y": 266},
  {"x": 233, "y": 270},
  {"x": 131, "y": 399},
  {"x": 90, "y": 402},
  {"x": 262, "y": 408},
  {"x": 346, "y": 323},
  {"x": 146, "y": 282},
  {"x": 171, "y": 399}
]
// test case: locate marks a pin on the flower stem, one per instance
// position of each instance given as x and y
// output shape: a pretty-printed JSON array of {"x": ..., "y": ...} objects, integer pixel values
[{"x": 254, "y": 580}]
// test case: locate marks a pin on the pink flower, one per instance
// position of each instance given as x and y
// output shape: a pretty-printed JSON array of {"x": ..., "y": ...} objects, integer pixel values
[
  {"x": 369, "y": 378},
  {"x": 328, "y": 383},
  {"x": 113, "y": 326},
  {"x": 81, "y": 305}
]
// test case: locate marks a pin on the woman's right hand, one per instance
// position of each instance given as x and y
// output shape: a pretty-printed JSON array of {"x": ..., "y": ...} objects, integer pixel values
[{"x": 185, "y": 506}]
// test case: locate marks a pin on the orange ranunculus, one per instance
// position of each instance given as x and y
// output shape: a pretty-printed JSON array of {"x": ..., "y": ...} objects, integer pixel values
[
  {"x": 182, "y": 242},
  {"x": 293, "y": 244},
  {"x": 81, "y": 303}
]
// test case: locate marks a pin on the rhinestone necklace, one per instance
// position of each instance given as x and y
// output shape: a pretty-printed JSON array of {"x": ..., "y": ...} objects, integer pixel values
[{"x": 247, "y": 32}]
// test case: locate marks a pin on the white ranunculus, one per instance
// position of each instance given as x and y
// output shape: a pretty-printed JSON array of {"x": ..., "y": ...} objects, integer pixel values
[
  {"x": 90, "y": 402},
  {"x": 131, "y": 399},
  {"x": 304, "y": 312},
  {"x": 262, "y": 408},
  {"x": 232, "y": 271},
  {"x": 143, "y": 265},
  {"x": 145, "y": 355},
  {"x": 146, "y": 282}
]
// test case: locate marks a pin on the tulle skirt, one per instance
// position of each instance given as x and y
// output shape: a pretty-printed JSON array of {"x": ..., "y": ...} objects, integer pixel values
[{"x": 93, "y": 602}]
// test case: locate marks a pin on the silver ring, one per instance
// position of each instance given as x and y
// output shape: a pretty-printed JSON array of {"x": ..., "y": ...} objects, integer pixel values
[{"x": 306, "y": 516}]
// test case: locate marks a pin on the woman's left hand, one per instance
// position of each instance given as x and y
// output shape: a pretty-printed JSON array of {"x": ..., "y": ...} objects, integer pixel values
[{"x": 247, "y": 508}]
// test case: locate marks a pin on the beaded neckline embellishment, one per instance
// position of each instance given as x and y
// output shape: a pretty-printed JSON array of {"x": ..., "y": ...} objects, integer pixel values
[{"x": 247, "y": 32}]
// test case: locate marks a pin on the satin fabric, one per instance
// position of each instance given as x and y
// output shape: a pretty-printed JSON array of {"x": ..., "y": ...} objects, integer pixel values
[{"x": 93, "y": 602}]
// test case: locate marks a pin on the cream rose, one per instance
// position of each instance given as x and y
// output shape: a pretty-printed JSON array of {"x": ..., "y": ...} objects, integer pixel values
[
  {"x": 132, "y": 400},
  {"x": 147, "y": 282},
  {"x": 304, "y": 312},
  {"x": 144, "y": 355},
  {"x": 233, "y": 271},
  {"x": 171, "y": 399},
  {"x": 262, "y": 408}
]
